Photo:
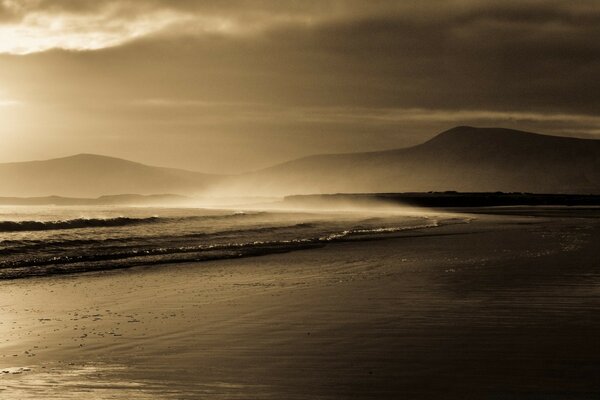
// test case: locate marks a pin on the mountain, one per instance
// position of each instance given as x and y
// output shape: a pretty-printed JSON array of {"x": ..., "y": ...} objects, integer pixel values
[
  {"x": 109, "y": 200},
  {"x": 463, "y": 159},
  {"x": 88, "y": 175}
]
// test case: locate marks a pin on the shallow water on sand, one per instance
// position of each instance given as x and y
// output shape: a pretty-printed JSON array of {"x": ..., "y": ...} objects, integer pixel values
[
  {"x": 107, "y": 381},
  {"x": 499, "y": 309}
]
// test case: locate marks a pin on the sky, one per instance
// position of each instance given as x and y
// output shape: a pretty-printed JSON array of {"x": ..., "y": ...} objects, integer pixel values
[{"x": 232, "y": 86}]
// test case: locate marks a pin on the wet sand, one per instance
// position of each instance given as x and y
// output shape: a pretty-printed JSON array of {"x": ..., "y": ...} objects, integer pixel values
[{"x": 505, "y": 307}]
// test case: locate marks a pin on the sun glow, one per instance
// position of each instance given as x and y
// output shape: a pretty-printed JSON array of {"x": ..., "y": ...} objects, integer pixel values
[{"x": 7, "y": 101}]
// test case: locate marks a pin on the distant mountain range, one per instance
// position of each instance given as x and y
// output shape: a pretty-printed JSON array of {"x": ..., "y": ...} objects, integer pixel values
[
  {"x": 462, "y": 159},
  {"x": 89, "y": 175},
  {"x": 110, "y": 200}
]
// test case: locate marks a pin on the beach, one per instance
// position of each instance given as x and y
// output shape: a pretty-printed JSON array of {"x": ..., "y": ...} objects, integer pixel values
[{"x": 501, "y": 307}]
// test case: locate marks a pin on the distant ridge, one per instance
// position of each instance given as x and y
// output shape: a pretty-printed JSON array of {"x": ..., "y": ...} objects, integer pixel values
[
  {"x": 464, "y": 158},
  {"x": 107, "y": 200},
  {"x": 90, "y": 175},
  {"x": 446, "y": 199}
]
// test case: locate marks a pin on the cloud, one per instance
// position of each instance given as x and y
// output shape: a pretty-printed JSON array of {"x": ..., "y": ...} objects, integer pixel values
[
  {"x": 524, "y": 56},
  {"x": 88, "y": 29},
  {"x": 30, "y": 26},
  {"x": 349, "y": 120},
  {"x": 509, "y": 56},
  {"x": 258, "y": 111}
]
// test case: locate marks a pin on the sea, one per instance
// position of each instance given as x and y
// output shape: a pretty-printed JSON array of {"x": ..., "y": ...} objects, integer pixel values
[{"x": 48, "y": 240}]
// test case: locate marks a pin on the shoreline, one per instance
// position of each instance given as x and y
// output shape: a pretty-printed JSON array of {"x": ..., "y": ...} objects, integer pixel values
[
  {"x": 485, "y": 309},
  {"x": 201, "y": 253},
  {"x": 447, "y": 200}
]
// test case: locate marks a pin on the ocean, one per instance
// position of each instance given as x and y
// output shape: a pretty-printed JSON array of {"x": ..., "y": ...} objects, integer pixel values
[
  {"x": 46, "y": 240},
  {"x": 383, "y": 303}
]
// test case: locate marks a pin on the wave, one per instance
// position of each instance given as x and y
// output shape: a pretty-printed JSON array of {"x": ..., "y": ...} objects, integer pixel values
[
  {"x": 77, "y": 223},
  {"x": 262, "y": 229},
  {"x": 166, "y": 253},
  {"x": 129, "y": 256},
  {"x": 348, "y": 234},
  {"x": 10, "y": 246}
]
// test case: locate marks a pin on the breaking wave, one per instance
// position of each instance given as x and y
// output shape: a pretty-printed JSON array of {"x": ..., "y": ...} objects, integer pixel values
[
  {"x": 77, "y": 223},
  {"x": 81, "y": 223},
  {"x": 129, "y": 256}
]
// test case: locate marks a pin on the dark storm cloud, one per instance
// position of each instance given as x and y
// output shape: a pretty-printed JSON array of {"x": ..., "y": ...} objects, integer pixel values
[
  {"x": 459, "y": 54},
  {"x": 481, "y": 58}
]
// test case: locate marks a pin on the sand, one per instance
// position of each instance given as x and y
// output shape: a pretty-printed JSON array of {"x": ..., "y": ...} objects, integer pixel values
[{"x": 503, "y": 307}]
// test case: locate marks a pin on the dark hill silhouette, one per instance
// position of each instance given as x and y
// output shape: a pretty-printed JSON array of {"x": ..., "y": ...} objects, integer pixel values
[
  {"x": 463, "y": 159},
  {"x": 88, "y": 175}
]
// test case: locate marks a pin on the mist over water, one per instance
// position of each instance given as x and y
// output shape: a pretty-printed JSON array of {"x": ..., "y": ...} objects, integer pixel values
[{"x": 42, "y": 240}]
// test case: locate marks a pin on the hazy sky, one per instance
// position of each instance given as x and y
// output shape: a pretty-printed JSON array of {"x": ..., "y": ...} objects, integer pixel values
[{"x": 227, "y": 86}]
